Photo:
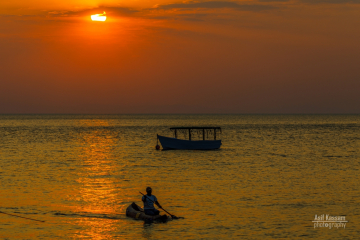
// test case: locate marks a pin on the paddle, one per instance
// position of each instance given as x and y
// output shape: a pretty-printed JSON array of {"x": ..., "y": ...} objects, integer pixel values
[
  {"x": 22, "y": 217},
  {"x": 172, "y": 216}
]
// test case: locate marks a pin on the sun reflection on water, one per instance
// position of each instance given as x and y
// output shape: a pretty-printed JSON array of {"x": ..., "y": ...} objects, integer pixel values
[{"x": 99, "y": 191}]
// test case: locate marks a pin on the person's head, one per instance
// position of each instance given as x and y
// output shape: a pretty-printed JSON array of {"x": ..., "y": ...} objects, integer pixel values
[{"x": 148, "y": 190}]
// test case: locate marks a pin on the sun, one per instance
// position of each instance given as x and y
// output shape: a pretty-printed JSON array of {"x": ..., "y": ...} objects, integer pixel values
[{"x": 99, "y": 17}]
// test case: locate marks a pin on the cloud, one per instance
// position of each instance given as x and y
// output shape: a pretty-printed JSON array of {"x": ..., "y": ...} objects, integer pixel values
[
  {"x": 331, "y": 1},
  {"x": 216, "y": 5},
  {"x": 119, "y": 11},
  {"x": 193, "y": 17},
  {"x": 273, "y": 0}
]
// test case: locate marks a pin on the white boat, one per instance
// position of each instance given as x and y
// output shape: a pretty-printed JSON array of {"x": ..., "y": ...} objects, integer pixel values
[{"x": 168, "y": 143}]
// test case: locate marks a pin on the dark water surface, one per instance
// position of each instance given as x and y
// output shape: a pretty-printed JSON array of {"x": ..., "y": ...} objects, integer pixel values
[{"x": 273, "y": 174}]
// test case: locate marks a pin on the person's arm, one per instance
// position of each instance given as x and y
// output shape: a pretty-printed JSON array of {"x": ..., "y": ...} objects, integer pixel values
[
  {"x": 158, "y": 204},
  {"x": 143, "y": 198}
]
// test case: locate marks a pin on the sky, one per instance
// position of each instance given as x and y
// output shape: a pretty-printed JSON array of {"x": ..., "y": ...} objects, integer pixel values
[{"x": 170, "y": 56}]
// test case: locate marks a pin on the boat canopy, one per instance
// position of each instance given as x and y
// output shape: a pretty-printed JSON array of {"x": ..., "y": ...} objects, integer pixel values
[
  {"x": 217, "y": 128},
  {"x": 205, "y": 131}
]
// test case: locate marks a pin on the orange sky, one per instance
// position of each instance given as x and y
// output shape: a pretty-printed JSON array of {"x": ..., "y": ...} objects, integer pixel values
[{"x": 168, "y": 56}]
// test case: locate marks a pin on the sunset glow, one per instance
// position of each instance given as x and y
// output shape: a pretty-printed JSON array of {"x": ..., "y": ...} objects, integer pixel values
[
  {"x": 99, "y": 17},
  {"x": 259, "y": 56}
]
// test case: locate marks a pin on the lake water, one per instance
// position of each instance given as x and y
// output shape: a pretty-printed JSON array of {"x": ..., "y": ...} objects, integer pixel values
[{"x": 272, "y": 175}]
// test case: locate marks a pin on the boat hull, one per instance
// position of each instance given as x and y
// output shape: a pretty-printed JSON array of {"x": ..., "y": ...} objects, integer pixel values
[
  {"x": 174, "y": 143},
  {"x": 136, "y": 212}
]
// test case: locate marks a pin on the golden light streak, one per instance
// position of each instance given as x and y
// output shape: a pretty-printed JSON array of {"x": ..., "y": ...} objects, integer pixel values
[{"x": 99, "y": 17}]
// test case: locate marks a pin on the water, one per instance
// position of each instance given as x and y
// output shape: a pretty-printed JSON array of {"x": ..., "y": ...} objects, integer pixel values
[{"x": 273, "y": 173}]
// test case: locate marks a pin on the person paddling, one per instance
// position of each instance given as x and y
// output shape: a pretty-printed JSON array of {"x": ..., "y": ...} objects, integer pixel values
[{"x": 149, "y": 201}]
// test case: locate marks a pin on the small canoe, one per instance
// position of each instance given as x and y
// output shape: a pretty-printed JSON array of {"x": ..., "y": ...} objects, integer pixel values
[{"x": 136, "y": 212}]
